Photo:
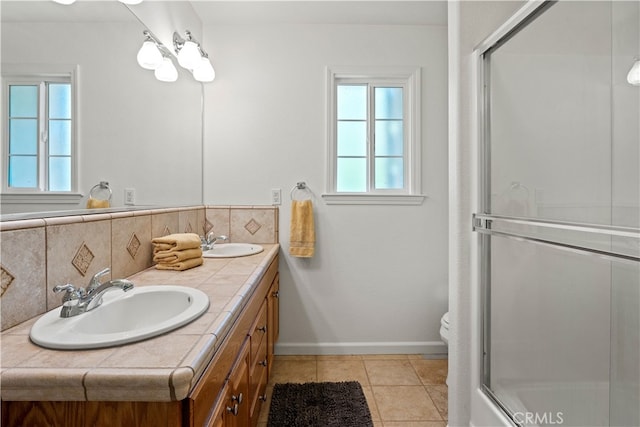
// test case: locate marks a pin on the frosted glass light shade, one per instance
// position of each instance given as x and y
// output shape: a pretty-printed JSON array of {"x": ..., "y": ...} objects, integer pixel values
[
  {"x": 204, "y": 72},
  {"x": 131, "y": 1},
  {"x": 189, "y": 56},
  {"x": 149, "y": 56},
  {"x": 634, "y": 74},
  {"x": 167, "y": 71},
  {"x": 65, "y": 1}
]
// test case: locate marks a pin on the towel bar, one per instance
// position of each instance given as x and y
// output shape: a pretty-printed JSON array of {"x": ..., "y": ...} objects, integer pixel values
[
  {"x": 104, "y": 185},
  {"x": 300, "y": 186}
]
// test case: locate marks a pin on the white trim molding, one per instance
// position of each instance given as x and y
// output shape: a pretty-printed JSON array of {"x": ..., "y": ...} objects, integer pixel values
[
  {"x": 372, "y": 199},
  {"x": 433, "y": 348}
]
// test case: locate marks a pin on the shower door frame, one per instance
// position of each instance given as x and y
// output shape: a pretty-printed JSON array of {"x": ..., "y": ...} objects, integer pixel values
[{"x": 483, "y": 220}]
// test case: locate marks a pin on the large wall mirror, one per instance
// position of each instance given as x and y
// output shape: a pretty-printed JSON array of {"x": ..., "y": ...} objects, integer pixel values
[{"x": 133, "y": 131}]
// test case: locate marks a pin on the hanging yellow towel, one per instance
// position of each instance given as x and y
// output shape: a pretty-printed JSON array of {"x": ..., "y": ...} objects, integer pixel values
[
  {"x": 176, "y": 256},
  {"x": 181, "y": 265},
  {"x": 302, "y": 237},
  {"x": 176, "y": 242},
  {"x": 96, "y": 203}
]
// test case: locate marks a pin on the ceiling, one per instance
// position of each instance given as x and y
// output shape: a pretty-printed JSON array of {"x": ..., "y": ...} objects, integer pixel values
[
  {"x": 366, "y": 12},
  {"x": 49, "y": 11},
  {"x": 396, "y": 12}
]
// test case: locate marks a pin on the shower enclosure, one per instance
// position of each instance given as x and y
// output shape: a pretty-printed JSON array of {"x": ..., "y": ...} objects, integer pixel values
[{"x": 559, "y": 217}]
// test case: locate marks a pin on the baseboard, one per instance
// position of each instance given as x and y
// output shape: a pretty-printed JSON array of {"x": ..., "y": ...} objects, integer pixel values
[{"x": 431, "y": 349}]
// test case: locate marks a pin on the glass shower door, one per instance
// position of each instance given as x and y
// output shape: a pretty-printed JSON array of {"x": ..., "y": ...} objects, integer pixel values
[{"x": 559, "y": 220}]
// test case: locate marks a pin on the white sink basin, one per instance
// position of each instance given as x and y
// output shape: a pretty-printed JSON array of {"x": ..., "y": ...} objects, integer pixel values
[
  {"x": 122, "y": 318},
  {"x": 231, "y": 250}
]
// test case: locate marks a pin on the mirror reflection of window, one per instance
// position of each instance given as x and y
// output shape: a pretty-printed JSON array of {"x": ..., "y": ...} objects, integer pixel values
[{"x": 40, "y": 136}]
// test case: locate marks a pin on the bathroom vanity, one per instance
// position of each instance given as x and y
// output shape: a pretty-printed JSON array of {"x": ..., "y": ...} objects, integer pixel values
[{"x": 212, "y": 372}]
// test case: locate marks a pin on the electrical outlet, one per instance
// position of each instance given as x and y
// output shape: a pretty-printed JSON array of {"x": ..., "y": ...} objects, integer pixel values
[
  {"x": 129, "y": 196},
  {"x": 276, "y": 196}
]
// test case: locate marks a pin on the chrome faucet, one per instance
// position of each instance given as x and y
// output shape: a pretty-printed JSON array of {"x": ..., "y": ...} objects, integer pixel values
[
  {"x": 78, "y": 300},
  {"x": 208, "y": 242}
]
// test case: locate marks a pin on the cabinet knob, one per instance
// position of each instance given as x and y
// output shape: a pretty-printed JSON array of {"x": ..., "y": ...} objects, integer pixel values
[
  {"x": 263, "y": 362},
  {"x": 237, "y": 398},
  {"x": 262, "y": 328},
  {"x": 233, "y": 409},
  {"x": 263, "y": 397},
  {"x": 275, "y": 294}
]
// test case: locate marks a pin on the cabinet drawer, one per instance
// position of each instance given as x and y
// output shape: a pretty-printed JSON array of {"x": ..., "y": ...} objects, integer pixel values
[
  {"x": 258, "y": 333},
  {"x": 259, "y": 368},
  {"x": 259, "y": 395}
]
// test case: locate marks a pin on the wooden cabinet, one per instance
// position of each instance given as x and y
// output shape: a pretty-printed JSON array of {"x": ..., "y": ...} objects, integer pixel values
[
  {"x": 258, "y": 372},
  {"x": 273, "y": 311},
  {"x": 233, "y": 388},
  {"x": 229, "y": 393}
]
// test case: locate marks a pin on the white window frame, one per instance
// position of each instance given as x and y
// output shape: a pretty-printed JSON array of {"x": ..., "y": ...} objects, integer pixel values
[
  {"x": 409, "y": 79},
  {"x": 17, "y": 74}
]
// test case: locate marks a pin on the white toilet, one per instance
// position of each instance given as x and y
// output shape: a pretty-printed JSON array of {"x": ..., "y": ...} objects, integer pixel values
[
  {"x": 444, "y": 328},
  {"x": 444, "y": 333}
]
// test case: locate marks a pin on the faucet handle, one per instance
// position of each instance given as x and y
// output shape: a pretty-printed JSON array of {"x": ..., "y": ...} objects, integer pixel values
[
  {"x": 68, "y": 287},
  {"x": 71, "y": 292},
  {"x": 94, "y": 282}
]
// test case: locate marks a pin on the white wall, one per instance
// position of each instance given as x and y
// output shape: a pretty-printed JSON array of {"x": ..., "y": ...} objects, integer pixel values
[
  {"x": 133, "y": 131},
  {"x": 378, "y": 281},
  {"x": 469, "y": 23}
]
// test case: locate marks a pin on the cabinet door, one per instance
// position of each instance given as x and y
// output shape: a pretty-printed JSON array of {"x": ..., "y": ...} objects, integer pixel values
[
  {"x": 237, "y": 408},
  {"x": 274, "y": 318},
  {"x": 217, "y": 420}
]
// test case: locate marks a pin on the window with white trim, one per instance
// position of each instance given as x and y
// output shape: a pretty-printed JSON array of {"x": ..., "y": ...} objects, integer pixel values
[
  {"x": 39, "y": 134},
  {"x": 373, "y": 119}
]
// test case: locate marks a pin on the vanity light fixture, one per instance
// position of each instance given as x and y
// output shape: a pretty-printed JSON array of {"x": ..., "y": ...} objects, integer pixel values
[
  {"x": 204, "y": 72},
  {"x": 166, "y": 72},
  {"x": 634, "y": 73},
  {"x": 192, "y": 57},
  {"x": 153, "y": 55},
  {"x": 149, "y": 56},
  {"x": 187, "y": 49}
]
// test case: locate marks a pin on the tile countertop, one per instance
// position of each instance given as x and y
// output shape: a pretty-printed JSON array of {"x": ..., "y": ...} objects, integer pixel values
[{"x": 160, "y": 369}]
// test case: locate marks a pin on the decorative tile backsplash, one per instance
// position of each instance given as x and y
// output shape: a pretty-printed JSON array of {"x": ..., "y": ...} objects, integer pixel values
[{"x": 37, "y": 255}]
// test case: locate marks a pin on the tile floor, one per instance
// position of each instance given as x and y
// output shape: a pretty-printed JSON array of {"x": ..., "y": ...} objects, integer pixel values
[{"x": 402, "y": 390}]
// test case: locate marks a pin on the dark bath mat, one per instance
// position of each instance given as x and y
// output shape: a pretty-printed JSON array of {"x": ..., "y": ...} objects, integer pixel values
[{"x": 319, "y": 405}]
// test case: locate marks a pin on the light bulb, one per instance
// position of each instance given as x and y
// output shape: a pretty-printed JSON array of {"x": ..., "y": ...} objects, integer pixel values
[
  {"x": 65, "y": 1},
  {"x": 189, "y": 56},
  {"x": 204, "y": 72},
  {"x": 167, "y": 71},
  {"x": 634, "y": 74},
  {"x": 149, "y": 56}
]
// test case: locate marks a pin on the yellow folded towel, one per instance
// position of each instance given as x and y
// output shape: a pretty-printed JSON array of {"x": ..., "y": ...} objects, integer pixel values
[
  {"x": 302, "y": 237},
  {"x": 97, "y": 203},
  {"x": 180, "y": 265},
  {"x": 176, "y": 256},
  {"x": 176, "y": 242}
]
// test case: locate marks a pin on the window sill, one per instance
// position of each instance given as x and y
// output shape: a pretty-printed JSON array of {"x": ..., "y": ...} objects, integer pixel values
[
  {"x": 41, "y": 198},
  {"x": 373, "y": 199}
]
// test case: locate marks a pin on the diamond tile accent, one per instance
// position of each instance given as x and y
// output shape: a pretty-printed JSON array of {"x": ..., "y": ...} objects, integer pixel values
[
  {"x": 166, "y": 231},
  {"x": 7, "y": 278},
  {"x": 252, "y": 226},
  {"x": 133, "y": 245},
  {"x": 82, "y": 259},
  {"x": 208, "y": 226},
  {"x": 188, "y": 228}
]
